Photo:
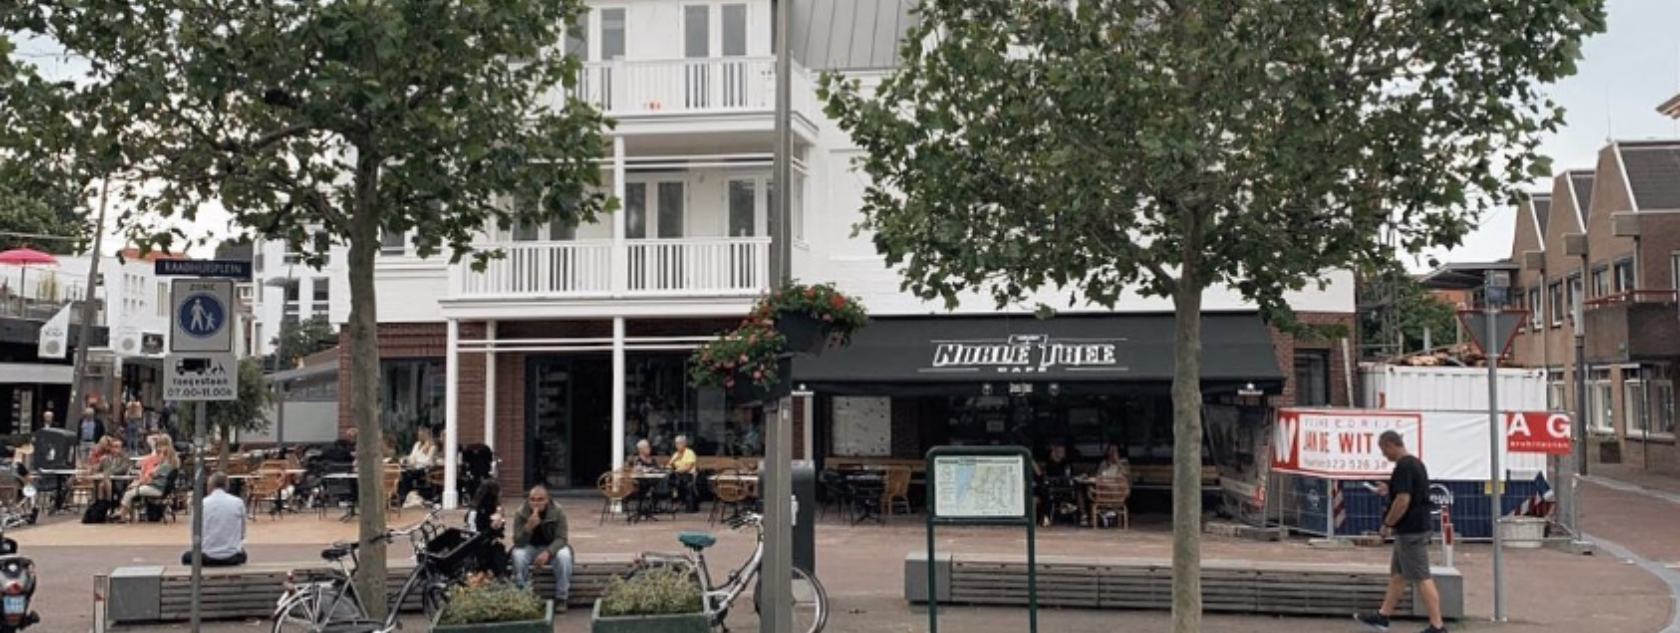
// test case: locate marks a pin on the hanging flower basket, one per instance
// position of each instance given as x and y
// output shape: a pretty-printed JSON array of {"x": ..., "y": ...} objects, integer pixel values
[{"x": 796, "y": 319}]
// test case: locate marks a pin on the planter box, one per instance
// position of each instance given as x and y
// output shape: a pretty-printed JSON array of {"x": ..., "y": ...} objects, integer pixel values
[
  {"x": 545, "y": 625},
  {"x": 804, "y": 334},
  {"x": 685, "y": 623}
]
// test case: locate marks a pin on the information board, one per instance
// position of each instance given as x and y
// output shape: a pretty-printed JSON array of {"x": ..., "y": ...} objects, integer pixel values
[
  {"x": 209, "y": 377},
  {"x": 980, "y": 487}
]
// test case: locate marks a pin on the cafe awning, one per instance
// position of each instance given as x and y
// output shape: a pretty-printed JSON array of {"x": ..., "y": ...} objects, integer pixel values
[{"x": 1099, "y": 354}]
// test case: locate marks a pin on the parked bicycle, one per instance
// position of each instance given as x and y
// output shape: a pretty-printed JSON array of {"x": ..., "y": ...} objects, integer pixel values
[
  {"x": 332, "y": 603},
  {"x": 810, "y": 602}
]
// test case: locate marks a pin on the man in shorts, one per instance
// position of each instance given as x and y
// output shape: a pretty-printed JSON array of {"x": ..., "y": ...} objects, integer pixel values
[{"x": 1408, "y": 521}]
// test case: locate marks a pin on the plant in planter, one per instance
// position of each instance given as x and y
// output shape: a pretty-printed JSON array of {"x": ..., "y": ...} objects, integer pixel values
[
  {"x": 654, "y": 601},
  {"x": 495, "y": 607},
  {"x": 797, "y": 318}
]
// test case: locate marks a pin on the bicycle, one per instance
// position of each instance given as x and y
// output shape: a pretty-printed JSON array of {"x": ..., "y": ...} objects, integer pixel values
[
  {"x": 810, "y": 601},
  {"x": 333, "y": 604}
]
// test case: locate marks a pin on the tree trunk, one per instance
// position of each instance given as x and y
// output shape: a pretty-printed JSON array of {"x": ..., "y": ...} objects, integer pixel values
[
  {"x": 364, "y": 385},
  {"x": 1187, "y": 452}
]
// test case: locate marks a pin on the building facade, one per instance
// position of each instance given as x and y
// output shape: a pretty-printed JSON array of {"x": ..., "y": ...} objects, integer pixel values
[{"x": 573, "y": 346}]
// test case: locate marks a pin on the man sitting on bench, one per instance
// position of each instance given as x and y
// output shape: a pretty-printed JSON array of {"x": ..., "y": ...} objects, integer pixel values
[{"x": 224, "y": 527}]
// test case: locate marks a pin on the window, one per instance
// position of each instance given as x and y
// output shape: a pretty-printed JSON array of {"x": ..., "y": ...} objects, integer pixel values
[
  {"x": 1601, "y": 412},
  {"x": 734, "y": 30},
  {"x": 1557, "y": 392},
  {"x": 743, "y": 208},
  {"x": 797, "y": 208},
  {"x": 612, "y": 34},
  {"x": 257, "y": 341},
  {"x": 670, "y": 210},
  {"x": 697, "y": 30},
  {"x": 1648, "y": 400},
  {"x": 257, "y": 262},
  {"x": 163, "y": 301},
  {"x": 323, "y": 242},
  {"x": 291, "y": 306},
  {"x": 1574, "y": 296},
  {"x": 1674, "y": 271},
  {"x": 635, "y": 210},
  {"x": 393, "y": 243},
  {"x": 1554, "y": 303},
  {"x": 1312, "y": 378},
  {"x": 577, "y": 39},
  {"x": 1601, "y": 282},
  {"x": 411, "y": 397},
  {"x": 1537, "y": 309},
  {"x": 1625, "y": 281},
  {"x": 322, "y": 288}
]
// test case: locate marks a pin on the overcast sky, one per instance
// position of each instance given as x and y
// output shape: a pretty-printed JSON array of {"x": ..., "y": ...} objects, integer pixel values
[{"x": 1626, "y": 72}]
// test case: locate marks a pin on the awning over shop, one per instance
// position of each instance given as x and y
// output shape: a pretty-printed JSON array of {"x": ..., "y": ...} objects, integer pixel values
[{"x": 1078, "y": 354}]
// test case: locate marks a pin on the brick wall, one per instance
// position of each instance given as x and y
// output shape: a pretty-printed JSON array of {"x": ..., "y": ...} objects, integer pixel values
[{"x": 1286, "y": 346}]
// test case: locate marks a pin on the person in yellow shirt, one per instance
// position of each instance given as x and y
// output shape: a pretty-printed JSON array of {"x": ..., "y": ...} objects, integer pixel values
[{"x": 684, "y": 467}]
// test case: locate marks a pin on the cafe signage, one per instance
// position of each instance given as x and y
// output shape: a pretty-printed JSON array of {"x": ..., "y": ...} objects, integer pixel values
[{"x": 1025, "y": 354}]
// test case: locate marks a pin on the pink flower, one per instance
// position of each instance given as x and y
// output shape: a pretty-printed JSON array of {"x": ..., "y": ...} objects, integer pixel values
[
  {"x": 743, "y": 358},
  {"x": 828, "y": 317},
  {"x": 758, "y": 375}
]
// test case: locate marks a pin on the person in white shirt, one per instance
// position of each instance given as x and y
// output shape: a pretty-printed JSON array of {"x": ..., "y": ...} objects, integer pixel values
[
  {"x": 417, "y": 466},
  {"x": 224, "y": 527}
]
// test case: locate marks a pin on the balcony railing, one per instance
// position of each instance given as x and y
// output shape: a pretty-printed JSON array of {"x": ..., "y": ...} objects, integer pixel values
[
  {"x": 683, "y": 267},
  {"x": 1632, "y": 297},
  {"x": 724, "y": 84}
]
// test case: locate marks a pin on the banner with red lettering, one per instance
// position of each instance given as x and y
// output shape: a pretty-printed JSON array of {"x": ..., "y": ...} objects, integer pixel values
[{"x": 1342, "y": 443}]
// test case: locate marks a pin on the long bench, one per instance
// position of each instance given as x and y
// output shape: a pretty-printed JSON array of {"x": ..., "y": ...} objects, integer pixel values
[
  {"x": 1112, "y": 583},
  {"x": 151, "y": 594}
]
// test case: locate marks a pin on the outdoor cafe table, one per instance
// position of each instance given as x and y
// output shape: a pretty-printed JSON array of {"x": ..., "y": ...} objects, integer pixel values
[
  {"x": 61, "y": 491},
  {"x": 645, "y": 504},
  {"x": 350, "y": 477}
]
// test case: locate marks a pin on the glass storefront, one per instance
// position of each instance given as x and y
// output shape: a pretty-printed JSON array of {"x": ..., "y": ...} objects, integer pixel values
[
  {"x": 411, "y": 396},
  {"x": 1140, "y": 425}
]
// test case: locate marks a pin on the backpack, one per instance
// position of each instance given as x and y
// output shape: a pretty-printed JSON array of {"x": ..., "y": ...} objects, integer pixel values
[
  {"x": 98, "y": 511},
  {"x": 154, "y": 512}
]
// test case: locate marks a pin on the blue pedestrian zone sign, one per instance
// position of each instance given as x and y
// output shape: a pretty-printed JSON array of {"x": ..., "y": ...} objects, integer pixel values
[{"x": 201, "y": 316}]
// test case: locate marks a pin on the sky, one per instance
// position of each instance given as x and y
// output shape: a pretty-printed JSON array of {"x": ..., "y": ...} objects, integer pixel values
[{"x": 1624, "y": 74}]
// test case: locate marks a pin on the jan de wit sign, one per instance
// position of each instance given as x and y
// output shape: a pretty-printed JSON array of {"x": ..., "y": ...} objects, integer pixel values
[{"x": 210, "y": 377}]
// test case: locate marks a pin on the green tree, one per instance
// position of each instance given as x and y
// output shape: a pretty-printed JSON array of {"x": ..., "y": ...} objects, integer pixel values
[
  {"x": 302, "y": 338},
  {"x": 1414, "y": 309},
  {"x": 26, "y": 216},
  {"x": 1167, "y": 146},
  {"x": 248, "y": 413},
  {"x": 357, "y": 117}
]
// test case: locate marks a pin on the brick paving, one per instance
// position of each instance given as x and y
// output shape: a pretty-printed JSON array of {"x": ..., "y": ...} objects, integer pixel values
[{"x": 861, "y": 567}]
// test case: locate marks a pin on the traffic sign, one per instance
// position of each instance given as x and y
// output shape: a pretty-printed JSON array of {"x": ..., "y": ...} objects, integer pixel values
[
  {"x": 209, "y": 377},
  {"x": 200, "y": 316},
  {"x": 222, "y": 268}
]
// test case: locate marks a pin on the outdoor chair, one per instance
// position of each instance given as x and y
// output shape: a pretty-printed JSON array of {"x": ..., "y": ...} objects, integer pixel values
[
  {"x": 266, "y": 487},
  {"x": 728, "y": 493},
  {"x": 896, "y": 493},
  {"x": 835, "y": 493},
  {"x": 617, "y": 487},
  {"x": 1109, "y": 495}
]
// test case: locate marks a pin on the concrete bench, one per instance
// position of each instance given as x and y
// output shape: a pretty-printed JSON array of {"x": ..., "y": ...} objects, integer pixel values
[
  {"x": 1115, "y": 583},
  {"x": 149, "y": 594}
]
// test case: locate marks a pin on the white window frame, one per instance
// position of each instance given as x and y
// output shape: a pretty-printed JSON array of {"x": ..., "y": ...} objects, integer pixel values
[
  {"x": 1554, "y": 302},
  {"x": 1601, "y": 403},
  {"x": 651, "y": 213},
  {"x": 1646, "y": 419},
  {"x": 319, "y": 306}
]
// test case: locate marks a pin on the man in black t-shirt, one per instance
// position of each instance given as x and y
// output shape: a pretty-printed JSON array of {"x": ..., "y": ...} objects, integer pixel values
[{"x": 1408, "y": 521}]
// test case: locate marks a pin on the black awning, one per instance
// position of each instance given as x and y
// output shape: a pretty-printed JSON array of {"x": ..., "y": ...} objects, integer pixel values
[{"x": 1090, "y": 354}]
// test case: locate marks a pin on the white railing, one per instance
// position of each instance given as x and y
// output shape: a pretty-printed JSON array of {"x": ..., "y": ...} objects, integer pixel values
[
  {"x": 690, "y": 266},
  {"x": 684, "y": 85},
  {"x": 580, "y": 269}
]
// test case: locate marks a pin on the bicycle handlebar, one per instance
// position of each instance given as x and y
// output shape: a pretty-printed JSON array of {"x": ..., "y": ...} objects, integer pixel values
[{"x": 391, "y": 534}]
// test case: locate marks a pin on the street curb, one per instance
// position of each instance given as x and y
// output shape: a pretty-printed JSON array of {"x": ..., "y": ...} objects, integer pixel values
[{"x": 1668, "y": 576}]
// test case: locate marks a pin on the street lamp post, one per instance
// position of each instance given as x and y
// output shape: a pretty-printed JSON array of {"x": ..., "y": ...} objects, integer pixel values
[
  {"x": 1498, "y": 283},
  {"x": 279, "y": 361}
]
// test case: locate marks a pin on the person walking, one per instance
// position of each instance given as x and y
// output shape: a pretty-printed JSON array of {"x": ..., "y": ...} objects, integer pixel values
[
  {"x": 539, "y": 539},
  {"x": 1407, "y": 520}
]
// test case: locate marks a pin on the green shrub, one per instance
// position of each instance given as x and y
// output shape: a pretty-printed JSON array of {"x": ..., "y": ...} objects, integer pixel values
[
  {"x": 667, "y": 591},
  {"x": 491, "y": 603}
]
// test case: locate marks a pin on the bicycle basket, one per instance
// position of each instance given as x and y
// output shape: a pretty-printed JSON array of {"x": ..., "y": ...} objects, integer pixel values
[{"x": 451, "y": 550}]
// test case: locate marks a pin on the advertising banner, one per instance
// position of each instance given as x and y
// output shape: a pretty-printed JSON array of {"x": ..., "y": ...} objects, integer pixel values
[{"x": 1342, "y": 443}]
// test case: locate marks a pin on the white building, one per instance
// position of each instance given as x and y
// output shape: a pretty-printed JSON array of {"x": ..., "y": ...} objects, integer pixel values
[{"x": 575, "y": 344}]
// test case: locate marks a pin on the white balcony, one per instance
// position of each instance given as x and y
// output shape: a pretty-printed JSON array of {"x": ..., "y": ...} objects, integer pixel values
[
  {"x": 691, "y": 267},
  {"x": 688, "y": 86}
]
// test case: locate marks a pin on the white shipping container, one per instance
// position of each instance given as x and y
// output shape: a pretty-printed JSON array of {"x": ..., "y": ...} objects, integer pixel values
[{"x": 1450, "y": 388}]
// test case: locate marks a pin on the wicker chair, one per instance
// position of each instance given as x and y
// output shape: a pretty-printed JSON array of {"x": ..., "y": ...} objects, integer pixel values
[
  {"x": 729, "y": 492},
  {"x": 616, "y": 487},
  {"x": 1110, "y": 494},
  {"x": 267, "y": 485},
  {"x": 393, "y": 475},
  {"x": 897, "y": 492}
]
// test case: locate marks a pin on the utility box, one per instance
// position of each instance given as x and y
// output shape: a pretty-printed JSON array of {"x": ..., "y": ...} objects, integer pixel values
[{"x": 805, "y": 515}]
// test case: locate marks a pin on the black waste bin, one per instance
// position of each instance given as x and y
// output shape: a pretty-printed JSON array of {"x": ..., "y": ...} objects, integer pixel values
[{"x": 805, "y": 516}]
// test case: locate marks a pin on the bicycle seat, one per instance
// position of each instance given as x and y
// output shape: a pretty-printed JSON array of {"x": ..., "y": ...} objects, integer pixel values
[
  {"x": 696, "y": 540},
  {"x": 334, "y": 553}
]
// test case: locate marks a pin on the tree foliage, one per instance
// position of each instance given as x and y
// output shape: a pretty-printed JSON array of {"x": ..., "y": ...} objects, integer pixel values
[
  {"x": 23, "y": 215},
  {"x": 1415, "y": 310},
  {"x": 1166, "y": 146},
  {"x": 298, "y": 339},
  {"x": 356, "y": 117}
]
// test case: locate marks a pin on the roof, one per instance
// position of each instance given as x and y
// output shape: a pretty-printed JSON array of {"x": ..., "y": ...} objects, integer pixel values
[
  {"x": 133, "y": 254},
  {"x": 1464, "y": 276},
  {"x": 1581, "y": 187},
  {"x": 1541, "y": 205},
  {"x": 1653, "y": 173},
  {"x": 850, "y": 34},
  {"x": 1671, "y": 107}
]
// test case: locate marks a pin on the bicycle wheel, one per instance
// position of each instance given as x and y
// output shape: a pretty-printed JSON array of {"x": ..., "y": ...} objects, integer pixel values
[
  {"x": 298, "y": 616},
  {"x": 810, "y": 602}
]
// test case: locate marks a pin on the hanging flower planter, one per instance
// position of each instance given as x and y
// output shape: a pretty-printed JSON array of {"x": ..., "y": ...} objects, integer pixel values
[{"x": 796, "y": 319}]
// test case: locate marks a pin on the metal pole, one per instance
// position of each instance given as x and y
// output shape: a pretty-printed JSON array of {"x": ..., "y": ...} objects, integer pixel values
[
  {"x": 777, "y": 611},
  {"x": 1581, "y": 457},
  {"x": 1496, "y": 437},
  {"x": 84, "y": 337},
  {"x": 200, "y": 421}
]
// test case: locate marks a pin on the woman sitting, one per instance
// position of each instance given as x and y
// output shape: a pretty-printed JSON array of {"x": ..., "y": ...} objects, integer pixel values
[
  {"x": 485, "y": 519},
  {"x": 154, "y": 474},
  {"x": 417, "y": 466},
  {"x": 644, "y": 461}
]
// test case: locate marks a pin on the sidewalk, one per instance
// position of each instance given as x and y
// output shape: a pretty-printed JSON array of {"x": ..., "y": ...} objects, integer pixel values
[{"x": 862, "y": 569}]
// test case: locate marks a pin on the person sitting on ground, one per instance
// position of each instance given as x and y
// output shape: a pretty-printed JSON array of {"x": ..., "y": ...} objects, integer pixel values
[
  {"x": 154, "y": 473},
  {"x": 224, "y": 526},
  {"x": 485, "y": 519},
  {"x": 685, "y": 467},
  {"x": 644, "y": 461},
  {"x": 539, "y": 539},
  {"x": 418, "y": 465}
]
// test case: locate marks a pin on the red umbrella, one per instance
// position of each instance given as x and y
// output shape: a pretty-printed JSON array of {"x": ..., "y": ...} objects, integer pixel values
[{"x": 27, "y": 257}]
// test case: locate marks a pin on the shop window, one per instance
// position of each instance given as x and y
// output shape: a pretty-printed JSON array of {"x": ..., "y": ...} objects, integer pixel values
[
  {"x": 1312, "y": 378},
  {"x": 411, "y": 397}
]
